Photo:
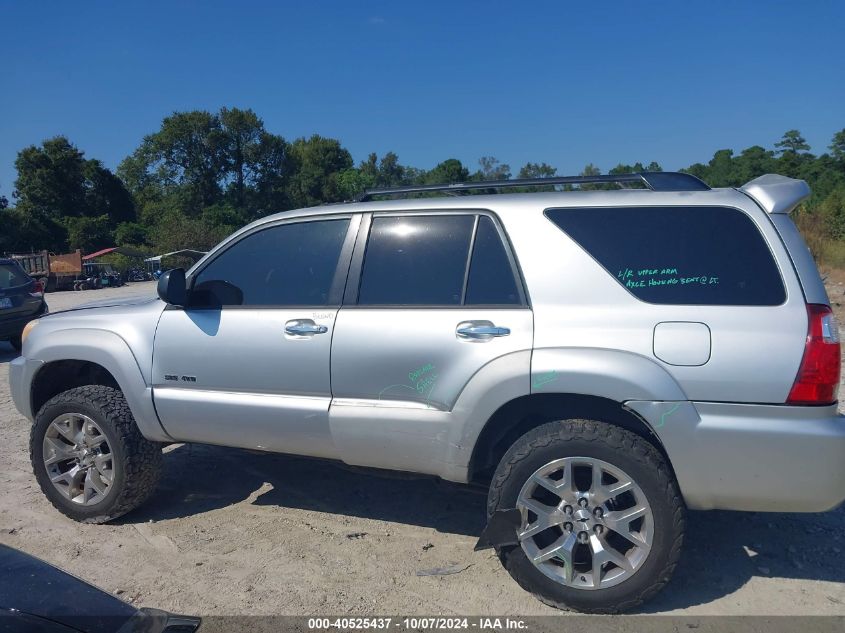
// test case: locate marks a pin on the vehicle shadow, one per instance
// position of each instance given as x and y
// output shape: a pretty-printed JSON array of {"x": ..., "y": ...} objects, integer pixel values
[
  {"x": 199, "y": 478},
  {"x": 722, "y": 550}
]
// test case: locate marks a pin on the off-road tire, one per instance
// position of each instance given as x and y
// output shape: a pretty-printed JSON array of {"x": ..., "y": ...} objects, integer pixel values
[
  {"x": 140, "y": 459},
  {"x": 626, "y": 450}
]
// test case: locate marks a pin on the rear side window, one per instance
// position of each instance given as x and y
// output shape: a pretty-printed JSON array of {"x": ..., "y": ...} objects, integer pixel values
[
  {"x": 11, "y": 275},
  {"x": 679, "y": 255}
]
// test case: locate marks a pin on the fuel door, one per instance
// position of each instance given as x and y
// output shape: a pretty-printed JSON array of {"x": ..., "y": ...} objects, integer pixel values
[{"x": 682, "y": 343}]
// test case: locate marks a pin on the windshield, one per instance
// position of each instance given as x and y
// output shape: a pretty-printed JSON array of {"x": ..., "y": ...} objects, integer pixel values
[{"x": 11, "y": 276}]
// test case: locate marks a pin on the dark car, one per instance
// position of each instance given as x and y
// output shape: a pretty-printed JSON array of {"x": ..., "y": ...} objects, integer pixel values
[
  {"x": 36, "y": 597},
  {"x": 21, "y": 301}
]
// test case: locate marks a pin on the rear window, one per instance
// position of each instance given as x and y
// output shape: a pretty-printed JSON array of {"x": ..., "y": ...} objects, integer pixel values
[
  {"x": 11, "y": 276},
  {"x": 679, "y": 255}
]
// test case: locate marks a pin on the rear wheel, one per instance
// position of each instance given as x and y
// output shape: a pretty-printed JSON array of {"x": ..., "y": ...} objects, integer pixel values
[
  {"x": 602, "y": 519},
  {"x": 89, "y": 457}
]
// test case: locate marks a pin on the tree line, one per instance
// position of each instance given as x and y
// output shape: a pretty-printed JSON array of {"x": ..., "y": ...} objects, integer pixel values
[{"x": 202, "y": 175}]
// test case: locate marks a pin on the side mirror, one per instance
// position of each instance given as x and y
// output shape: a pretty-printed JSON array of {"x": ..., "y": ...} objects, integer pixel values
[{"x": 171, "y": 287}]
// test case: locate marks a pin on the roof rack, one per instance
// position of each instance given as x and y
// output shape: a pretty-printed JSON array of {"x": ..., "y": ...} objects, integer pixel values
[{"x": 654, "y": 180}]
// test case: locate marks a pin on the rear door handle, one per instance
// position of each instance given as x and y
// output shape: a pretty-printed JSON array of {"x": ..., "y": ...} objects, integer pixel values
[
  {"x": 304, "y": 327},
  {"x": 471, "y": 330}
]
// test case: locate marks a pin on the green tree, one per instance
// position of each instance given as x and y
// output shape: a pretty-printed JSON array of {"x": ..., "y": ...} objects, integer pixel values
[
  {"x": 793, "y": 142},
  {"x": 256, "y": 162},
  {"x": 537, "y": 170},
  {"x": 493, "y": 169},
  {"x": 88, "y": 233},
  {"x": 57, "y": 181},
  {"x": 837, "y": 146},
  {"x": 391, "y": 173},
  {"x": 590, "y": 170},
  {"x": 130, "y": 234},
  {"x": 316, "y": 164},
  {"x": 352, "y": 182},
  {"x": 832, "y": 211},
  {"x": 449, "y": 171},
  {"x": 185, "y": 159}
]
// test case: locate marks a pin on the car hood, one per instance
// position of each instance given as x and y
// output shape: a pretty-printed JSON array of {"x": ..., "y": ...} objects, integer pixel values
[
  {"x": 112, "y": 303},
  {"x": 31, "y": 587}
]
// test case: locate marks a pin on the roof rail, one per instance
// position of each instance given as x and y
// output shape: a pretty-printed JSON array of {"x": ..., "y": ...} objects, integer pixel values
[
  {"x": 776, "y": 193},
  {"x": 654, "y": 180}
]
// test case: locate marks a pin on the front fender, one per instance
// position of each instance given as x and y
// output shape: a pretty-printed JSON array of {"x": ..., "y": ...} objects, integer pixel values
[{"x": 111, "y": 352}]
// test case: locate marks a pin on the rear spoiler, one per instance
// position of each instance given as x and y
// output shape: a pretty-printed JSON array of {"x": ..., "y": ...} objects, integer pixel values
[{"x": 775, "y": 193}]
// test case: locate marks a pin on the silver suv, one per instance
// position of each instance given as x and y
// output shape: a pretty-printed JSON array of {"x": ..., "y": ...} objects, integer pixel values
[{"x": 602, "y": 359}]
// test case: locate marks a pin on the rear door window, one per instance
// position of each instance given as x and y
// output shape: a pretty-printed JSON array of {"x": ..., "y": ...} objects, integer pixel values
[
  {"x": 679, "y": 255},
  {"x": 437, "y": 260},
  {"x": 416, "y": 260}
]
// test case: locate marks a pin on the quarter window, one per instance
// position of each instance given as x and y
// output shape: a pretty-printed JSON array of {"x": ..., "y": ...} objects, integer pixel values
[
  {"x": 285, "y": 265},
  {"x": 679, "y": 255},
  {"x": 491, "y": 280}
]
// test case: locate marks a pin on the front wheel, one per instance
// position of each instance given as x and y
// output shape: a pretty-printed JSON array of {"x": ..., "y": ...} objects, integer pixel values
[
  {"x": 602, "y": 520},
  {"x": 89, "y": 457}
]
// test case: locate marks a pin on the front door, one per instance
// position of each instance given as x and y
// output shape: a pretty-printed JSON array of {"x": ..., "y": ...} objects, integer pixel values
[{"x": 247, "y": 362}]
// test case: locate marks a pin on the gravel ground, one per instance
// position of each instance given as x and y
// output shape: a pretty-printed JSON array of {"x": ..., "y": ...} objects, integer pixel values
[{"x": 237, "y": 532}]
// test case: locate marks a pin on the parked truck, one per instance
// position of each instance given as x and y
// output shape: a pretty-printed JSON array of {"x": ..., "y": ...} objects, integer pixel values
[{"x": 56, "y": 272}]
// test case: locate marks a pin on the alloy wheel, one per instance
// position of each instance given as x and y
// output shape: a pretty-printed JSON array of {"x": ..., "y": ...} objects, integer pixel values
[
  {"x": 78, "y": 458},
  {"x": 585, "y": 523}
]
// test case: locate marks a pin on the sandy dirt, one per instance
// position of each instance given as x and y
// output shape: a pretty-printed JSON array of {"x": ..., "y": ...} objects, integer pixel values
[{"x": 237, "y": 532}]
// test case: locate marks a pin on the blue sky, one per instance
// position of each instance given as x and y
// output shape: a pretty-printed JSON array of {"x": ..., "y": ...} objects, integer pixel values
[{"x": 556, "y": 82}]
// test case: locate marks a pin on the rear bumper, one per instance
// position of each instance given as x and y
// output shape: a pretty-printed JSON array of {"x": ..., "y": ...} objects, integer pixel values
[{"x": 763, "y": 458}]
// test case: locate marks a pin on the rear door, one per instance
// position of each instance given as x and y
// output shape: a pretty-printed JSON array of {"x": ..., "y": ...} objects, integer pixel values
[
  {"x": 247, "y": 362},
  {"x": 432, "y": 298}
]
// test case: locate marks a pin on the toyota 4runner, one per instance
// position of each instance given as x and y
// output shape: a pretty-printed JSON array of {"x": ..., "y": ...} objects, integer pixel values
[{"x": 602, "y": 359}]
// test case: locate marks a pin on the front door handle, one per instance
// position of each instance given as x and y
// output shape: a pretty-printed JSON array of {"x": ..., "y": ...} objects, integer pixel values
[
  {"x": 480, "y": 330},
  {"x": 304, "y": 327}
]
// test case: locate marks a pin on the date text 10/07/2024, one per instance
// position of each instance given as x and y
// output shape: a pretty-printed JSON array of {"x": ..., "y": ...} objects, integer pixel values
[
  {"x": 417, "y": 623},
  {"x": 646, "y": 277}
]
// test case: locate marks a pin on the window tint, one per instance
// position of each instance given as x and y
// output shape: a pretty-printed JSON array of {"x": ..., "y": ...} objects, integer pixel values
[
  {"x": 416, "y": 260},
  {"x": 290, "y": 264},
  {"x": 11, "y": 275},
  {"x": 491, "y": 280},
  {"x": 679, "y": 255}
]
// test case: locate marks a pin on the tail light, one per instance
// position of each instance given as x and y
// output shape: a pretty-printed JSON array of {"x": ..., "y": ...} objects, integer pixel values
[
  {"x": 37, "y": 289},
  {"x": 817, "y": 381}
]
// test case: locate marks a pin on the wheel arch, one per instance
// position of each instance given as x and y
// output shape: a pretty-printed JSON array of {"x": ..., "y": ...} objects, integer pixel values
[
  {"x": 520, "y": 415},
  {"x": 88, "y": 356}
]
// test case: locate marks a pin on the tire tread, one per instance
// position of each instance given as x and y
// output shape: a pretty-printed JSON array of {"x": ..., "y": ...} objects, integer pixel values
[
  {"x": 143, "y": 459},
  {"x": 616, "y": 439}
]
